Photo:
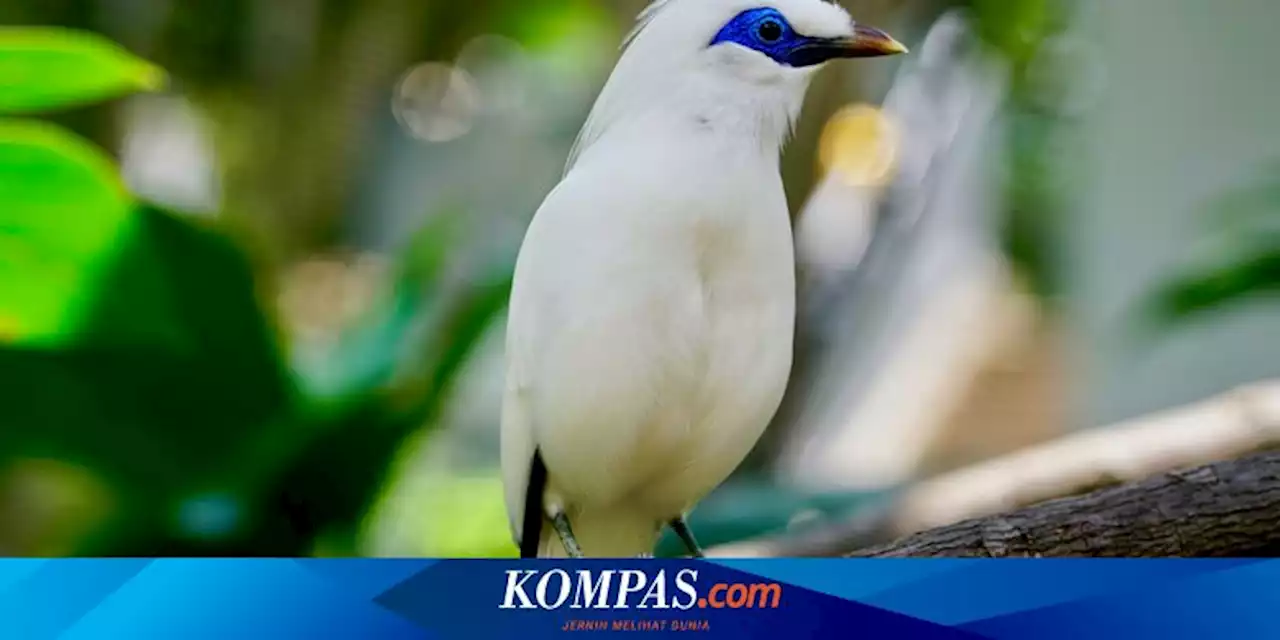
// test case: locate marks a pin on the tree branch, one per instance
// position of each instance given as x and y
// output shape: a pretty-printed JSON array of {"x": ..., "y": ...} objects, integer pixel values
[
  {"x": 1225, "y": 509},
  {"x": 1234, "y": 424}
]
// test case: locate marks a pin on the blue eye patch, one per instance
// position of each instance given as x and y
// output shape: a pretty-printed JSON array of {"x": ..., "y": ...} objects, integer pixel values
[{"x": 767, "y": 31}]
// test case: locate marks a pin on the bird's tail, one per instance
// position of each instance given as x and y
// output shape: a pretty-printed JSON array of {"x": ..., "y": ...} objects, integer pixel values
[{"x": 615, "y": 532}]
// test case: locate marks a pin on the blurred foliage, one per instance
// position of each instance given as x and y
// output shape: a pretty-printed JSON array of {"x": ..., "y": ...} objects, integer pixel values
[
  {"x": 135, "y": 346},
  {"x": 1240, "y": 260},
  {"x": 64, "y": 207},
  {"x": 445, "y": 513},
  {"x": 143, "y": 373},
  {"x": 1020, "y": 33},
  {"x": 152, "y": 406},
  {"x": 173, "y": 365},
  {"x": 1017, "y": 28}
]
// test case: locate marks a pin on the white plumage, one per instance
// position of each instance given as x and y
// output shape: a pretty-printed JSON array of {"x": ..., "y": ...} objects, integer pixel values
[{"x": 650, "y": 328}]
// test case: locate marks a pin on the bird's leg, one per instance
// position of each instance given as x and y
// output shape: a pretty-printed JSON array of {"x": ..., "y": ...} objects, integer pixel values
[
  {"x": 681, "y": 527},
  {"x": 561, "y": 523}
]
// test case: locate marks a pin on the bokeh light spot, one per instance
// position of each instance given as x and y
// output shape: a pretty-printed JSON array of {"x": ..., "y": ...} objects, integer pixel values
[
  {"x": 436, "y": 102},
  {"x": 860, "y": 145},
  {"x": 210, "y": 516},
  {"x": 51, "y": 507}
]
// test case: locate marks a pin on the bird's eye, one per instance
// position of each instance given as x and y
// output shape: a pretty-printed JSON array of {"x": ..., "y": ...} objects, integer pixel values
[{"x": 769, "y": 30}]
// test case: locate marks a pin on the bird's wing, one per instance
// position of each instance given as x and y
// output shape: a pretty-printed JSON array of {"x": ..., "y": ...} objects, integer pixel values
[
  {"x": 558, "y": 276},
  {"x": 517, "y": 440},
  {"x": 526, "y": 323},
  {"x": 518, "y": 453}
]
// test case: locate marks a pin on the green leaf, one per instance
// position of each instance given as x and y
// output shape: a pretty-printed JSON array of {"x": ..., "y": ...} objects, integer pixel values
[
  {"x": 45, "y": 68},
  {"x": 1253, "y": 275},
  {"x": 1239, "y": 262},
  {"x": 173, "y": 373},
  {"x": 62, "y": 210}
]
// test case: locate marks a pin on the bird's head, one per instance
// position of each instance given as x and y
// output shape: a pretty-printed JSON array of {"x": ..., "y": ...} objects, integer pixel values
[
  {"x": 731, "y": 63},
  {"x": 767, "y": 42}
]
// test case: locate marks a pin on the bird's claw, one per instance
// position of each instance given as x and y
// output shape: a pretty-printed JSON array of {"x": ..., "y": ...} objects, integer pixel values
[{"x": 561, "y": 524}]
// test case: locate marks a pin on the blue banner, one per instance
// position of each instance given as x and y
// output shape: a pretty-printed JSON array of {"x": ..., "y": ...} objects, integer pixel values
[{"x": 475, "y": 599}]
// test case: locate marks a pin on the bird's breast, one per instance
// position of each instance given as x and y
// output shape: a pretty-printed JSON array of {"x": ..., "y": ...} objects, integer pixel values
[
  {"x": 658, "y": 338},
  {"x": 736, "y": 309}
]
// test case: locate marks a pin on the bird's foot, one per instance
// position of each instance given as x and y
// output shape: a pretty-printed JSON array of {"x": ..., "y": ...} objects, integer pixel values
[
  {"x": 681, "y": 527},
  {"x": 561, "y": 523}
]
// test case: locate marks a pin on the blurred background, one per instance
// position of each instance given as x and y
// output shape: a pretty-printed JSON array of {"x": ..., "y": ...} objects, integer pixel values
[{"x": 1048, "y": 240}]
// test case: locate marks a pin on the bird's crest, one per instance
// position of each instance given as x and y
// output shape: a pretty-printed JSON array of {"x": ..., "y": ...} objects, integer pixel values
[
  {"x": 590, "y": 129},
  {"x": 646, "y": 16}
]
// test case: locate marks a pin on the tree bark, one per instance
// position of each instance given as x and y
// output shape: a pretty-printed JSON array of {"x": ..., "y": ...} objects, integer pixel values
[{"x": 1225, "y": 509}]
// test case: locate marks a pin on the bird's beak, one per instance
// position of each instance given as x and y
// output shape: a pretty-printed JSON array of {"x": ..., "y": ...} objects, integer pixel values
[{"x": 866, "y": 42}]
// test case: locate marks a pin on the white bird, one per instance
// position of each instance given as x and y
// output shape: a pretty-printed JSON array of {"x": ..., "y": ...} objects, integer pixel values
[{"x": 650, "y": 327}]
